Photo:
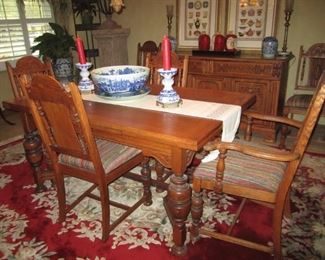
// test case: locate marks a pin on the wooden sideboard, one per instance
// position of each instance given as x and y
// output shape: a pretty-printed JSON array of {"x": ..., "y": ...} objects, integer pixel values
[{"x": 266, "y": 78}]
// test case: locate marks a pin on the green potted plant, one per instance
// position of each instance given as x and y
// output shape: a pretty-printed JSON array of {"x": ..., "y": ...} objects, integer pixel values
[
  {"x": 58, "y": 47},
  {"x": 86, "y": 9}
]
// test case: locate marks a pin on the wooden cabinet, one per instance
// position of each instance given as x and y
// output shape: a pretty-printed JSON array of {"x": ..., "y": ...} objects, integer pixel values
[{"x": 266, "y": 78}]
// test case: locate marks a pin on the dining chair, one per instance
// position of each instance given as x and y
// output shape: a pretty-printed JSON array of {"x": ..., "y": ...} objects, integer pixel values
[
  {"x": 64, "y": 127},
  {"x": 27, "y": 67},
  {"x": 154, "y": 62},
  {"x": 311, "y": 63},
  {"x": 258, "y": 173},
  {"x": 146, "y": 47}
]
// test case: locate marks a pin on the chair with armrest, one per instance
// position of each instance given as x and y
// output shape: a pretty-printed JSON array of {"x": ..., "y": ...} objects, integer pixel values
[
  {"x": 63, "y": 125},
  {"x": 144, "y": 49},
  {"x": 154, "y": 62},
  {"x": 311, "y": 63},
  {"x": 257, "y": 173}
]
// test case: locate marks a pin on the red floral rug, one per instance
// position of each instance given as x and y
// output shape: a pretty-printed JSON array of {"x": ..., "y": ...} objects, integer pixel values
[{"x": 29, "y": 228}]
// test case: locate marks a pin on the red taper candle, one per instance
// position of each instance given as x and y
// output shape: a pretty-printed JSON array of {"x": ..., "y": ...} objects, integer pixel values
[
  {"x": 166, "y": 56},
  {"x": 80, "y": 50}
]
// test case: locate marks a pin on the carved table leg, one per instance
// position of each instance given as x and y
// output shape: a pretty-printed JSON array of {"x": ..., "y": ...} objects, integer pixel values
[
  {"x": 177, "y": 205},
  {"x": 34, "y": 155},
  {"x": 146, "y": 177}
]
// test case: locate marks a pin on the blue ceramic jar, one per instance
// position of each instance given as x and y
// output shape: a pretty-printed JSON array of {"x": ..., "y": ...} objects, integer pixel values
[{"x": 269, "y": 47}]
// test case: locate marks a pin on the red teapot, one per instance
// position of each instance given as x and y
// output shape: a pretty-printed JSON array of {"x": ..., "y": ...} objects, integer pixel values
[
  {"x": 204, "y": 42},
  {"x": 219, "y": 42}
]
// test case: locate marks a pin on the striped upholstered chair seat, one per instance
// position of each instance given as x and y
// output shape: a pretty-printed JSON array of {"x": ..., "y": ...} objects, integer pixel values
[
  {"x": 245, "y": 170},
  {"x": 111, "y": 154},
  {"x": 301, "y": 101}
]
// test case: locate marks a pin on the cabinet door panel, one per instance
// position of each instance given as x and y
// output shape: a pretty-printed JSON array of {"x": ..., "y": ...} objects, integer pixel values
[
  {"x": 197, "y": 81},
  {"x": 259, "y": 88}
]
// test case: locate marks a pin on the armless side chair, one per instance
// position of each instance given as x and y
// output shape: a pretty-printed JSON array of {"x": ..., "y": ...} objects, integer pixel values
[
  {"x": 26, "y": 68},
  {"x": 154, "y": 62},
  {"x": 311, "y": 63},
  {"x": 65, "y": 130},
  {"x": 144, "y": 49},
  {"x": 260, "y": 174}
]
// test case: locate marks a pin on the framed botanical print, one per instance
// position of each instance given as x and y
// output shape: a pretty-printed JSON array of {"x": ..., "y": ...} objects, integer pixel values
[
  {"x": 195, "y": 17},
  {"x": 251, "y": 21}
]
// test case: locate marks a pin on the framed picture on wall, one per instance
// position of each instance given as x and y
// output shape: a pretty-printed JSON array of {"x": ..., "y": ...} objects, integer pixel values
[
  {"x": 251, "y": 21},
  {"x": 195, "y": 17}
]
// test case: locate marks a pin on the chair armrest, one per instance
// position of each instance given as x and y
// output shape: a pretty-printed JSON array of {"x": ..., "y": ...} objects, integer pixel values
[
  {"x": 277, "y": 119},
  {"x": 280, "y": 155}
]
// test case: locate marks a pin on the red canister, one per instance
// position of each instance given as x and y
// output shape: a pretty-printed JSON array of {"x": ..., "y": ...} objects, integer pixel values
[
  {"x": 204, "y": 42},
  {"x": 219, "y": 42}
]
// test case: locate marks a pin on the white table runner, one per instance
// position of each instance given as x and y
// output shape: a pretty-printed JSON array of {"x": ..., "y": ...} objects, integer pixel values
[{"x": 228, "y": 114}]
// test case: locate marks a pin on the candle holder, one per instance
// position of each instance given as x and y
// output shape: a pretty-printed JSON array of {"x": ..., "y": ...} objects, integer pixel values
[
  {"x": 85, "y": 84},
  {"x": 170, "y": 15},
  {"x": 168, "y": 96},
  {"x": 287, "y": 12}
]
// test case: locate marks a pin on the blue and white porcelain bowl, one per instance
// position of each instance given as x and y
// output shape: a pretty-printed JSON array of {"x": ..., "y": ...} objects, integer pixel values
[{"x": 120, "y": 81}]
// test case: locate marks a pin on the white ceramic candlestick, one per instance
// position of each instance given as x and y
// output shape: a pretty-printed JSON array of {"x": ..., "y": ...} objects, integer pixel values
[
  {"x": 168, "y": 96},
  {"x": 85, "y": 84}
]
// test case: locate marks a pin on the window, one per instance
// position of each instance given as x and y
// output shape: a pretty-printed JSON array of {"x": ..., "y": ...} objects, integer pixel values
[{"x": 20, "y": 24}]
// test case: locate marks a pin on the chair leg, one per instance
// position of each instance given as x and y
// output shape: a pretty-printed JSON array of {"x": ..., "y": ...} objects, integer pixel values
[
  {"x": 146, "y": 177},
  {"x": 287, "y": 207},
  {"x": 160, "y": 173},
  {"x": 60, "y": 188},
  {"x": 104, "y": 201},
  {"x": 277, "y": 228},
  {"x": 196, "y": 212},
  {"x": 284, "y": 130}
]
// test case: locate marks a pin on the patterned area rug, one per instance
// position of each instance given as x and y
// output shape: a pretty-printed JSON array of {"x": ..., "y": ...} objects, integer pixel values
[{"x": 29, "y": 228}]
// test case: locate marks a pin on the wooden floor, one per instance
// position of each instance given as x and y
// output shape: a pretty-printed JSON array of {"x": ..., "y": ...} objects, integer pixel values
[{"x": 7, "y": 131}]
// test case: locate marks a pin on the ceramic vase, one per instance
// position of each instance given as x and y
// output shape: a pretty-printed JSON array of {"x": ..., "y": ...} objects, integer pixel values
[
  {"x": 63, "y": 70},
  {"x": 269, "y": 47}
]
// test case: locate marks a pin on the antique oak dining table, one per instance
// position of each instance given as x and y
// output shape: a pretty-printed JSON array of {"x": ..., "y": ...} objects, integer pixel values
[{"x": 171, "y": 139}]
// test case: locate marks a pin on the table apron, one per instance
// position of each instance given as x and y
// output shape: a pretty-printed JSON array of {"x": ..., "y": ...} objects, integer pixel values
[{"x": 169, "y": 155}]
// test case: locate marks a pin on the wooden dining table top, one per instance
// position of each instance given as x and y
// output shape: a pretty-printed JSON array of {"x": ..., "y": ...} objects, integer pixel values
[{"x": 187, "y": 132}]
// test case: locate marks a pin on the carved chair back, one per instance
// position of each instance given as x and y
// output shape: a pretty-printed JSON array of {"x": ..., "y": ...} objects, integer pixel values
[
  {"x": 154, "y": 62},
  {"x": 144, "y": 49},
  {"x": 311, "y": 64},
  {"x": 26, "y": 68}
]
